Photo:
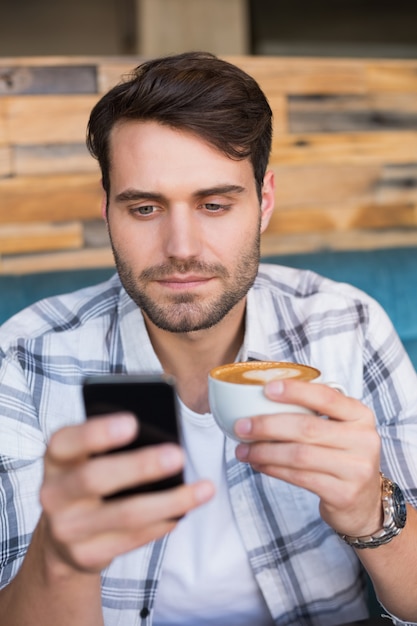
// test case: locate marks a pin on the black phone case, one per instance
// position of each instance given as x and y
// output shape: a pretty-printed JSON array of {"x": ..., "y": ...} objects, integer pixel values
[{"x": 152, "y": 400}]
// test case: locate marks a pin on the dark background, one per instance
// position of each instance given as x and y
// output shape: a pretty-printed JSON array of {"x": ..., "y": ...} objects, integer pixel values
[{"x": 374, "y": 28}]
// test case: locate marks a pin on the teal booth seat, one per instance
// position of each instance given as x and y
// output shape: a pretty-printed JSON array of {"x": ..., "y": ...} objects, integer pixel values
[
  {"x": 19, "y": 291},
  {"x": 389, "y": 275}
]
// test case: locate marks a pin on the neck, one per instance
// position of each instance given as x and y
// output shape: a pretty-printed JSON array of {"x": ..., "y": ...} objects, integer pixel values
[{"x": 189, "y": 357}]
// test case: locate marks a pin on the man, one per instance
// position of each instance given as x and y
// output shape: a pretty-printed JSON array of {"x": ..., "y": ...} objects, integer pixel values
[{"x": 272, "y": 532}]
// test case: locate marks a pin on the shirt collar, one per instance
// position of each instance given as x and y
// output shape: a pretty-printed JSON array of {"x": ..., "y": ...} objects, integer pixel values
[
  {"x": 139, "y": 355},
  {"x": 255, "y": 343}
]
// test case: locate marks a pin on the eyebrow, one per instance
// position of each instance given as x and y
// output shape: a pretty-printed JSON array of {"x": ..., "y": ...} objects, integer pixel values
[
  {"x": 219, "y": 191},
  {"x": 137, "y": 194}
]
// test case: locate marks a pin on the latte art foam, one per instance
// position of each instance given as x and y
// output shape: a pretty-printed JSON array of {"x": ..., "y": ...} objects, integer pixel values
[
  {"x": 261, "y": 372},
  {"x": 271, "y": 374}
]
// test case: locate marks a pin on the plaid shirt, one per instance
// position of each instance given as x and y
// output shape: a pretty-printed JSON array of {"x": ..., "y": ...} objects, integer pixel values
[{"x": 307, "y": 575}]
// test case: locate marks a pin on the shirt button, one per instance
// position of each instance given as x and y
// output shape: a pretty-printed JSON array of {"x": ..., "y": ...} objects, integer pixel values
[{"x": 144, "y": 612}]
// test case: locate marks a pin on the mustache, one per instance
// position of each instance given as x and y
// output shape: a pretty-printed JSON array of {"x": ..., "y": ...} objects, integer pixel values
[{"x": 186, "y": 266}]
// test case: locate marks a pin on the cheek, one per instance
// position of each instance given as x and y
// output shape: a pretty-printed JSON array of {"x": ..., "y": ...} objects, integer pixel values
[
  {"x": 235, "y": 230},
  {"x": 136, "y": 247},
  {"x": 122, "y": 239},
  {"x": 243, "y": 237},
  {"x": 239, "y": 247}
]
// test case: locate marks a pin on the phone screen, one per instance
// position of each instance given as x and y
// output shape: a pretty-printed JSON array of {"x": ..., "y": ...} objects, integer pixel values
[{"x": 152, "y": 399}]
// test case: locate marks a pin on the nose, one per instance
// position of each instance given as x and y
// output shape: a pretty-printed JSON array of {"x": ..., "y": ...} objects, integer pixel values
[{"x": 182, "y": 234}]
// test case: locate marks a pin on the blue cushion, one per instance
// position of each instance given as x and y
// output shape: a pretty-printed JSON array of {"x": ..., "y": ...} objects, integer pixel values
[{"x": 17, "y": 292}]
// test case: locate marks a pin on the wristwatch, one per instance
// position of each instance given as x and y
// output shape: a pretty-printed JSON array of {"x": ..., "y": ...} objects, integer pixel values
[{"x": 395, "y": 515}]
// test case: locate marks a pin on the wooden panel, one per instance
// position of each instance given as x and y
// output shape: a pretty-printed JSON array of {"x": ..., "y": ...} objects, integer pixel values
[
  {"x": 375, "y": 215},
  {"x": 63, "y": 79},
  {"x": 110, "y": 74},
  {"x": 299, "y": 76},
  {"x": 53, "y": 159},
  {"x": 47, "y": 119},
  {"x": 398, "y": 183},
  {"x": 108, "y": 70},
  {"x": 40, "y": 237},
  {"x": 5, "y": 162},
  {"x": 57, "y": 261},
  {"x": 3, "y": 133},
  {"x": 315, "y": 185},
  {"x": 96, "y": 234},
  {"x": 342, "y": 216},
  {"x": 359, "y": 148},
  {"x": 279, "y": 106},
  {"x": 321, "y": 113},
  {"x": 306, "y": 185},
  {"x": 390, "y": 76},
  {"x": 51, "y": 61},
  {"x": 274, "y": 243},
  {"x": 55, "y": 198},
  {"x": 344, "y": 155}
]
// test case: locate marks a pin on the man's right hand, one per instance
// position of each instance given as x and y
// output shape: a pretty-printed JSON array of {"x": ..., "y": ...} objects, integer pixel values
[{"x": 85, "y": 531}]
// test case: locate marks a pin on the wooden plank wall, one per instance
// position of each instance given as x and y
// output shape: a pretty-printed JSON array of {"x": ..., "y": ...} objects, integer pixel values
[{"x": 344, "y": 154}]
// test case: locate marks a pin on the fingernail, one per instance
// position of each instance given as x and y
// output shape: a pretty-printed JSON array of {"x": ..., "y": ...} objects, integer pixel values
[
  {"x": 203, "y": 492},
  {"x": 171, "y": 458},
  {"x": 276, "y": 387},
  {"x": 242, "y": 451},
  {"x": 122, "y": 426},
  {"x": 243, "y": 426}
]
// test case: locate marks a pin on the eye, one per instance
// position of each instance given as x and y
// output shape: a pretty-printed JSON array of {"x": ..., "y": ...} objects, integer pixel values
[
  {"x": 148, "y": 209},
  {"x": 212, "y": 207}
]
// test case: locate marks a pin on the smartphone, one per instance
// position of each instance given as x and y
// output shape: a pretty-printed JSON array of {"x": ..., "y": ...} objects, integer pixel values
[{"x": 152, "y": 399}]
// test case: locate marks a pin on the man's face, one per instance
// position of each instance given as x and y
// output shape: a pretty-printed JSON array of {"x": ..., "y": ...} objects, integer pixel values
[{"x": 184, "y": 222}]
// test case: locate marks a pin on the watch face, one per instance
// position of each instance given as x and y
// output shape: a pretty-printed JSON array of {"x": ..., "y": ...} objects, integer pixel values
[{"x": 399, "y": 506}]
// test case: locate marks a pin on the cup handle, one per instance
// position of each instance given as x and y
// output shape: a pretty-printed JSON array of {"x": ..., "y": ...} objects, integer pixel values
[{"x": 337, "y": 387}]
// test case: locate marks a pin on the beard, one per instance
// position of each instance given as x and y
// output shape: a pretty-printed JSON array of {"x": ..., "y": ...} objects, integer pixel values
[{"x": 187, "y": 312}]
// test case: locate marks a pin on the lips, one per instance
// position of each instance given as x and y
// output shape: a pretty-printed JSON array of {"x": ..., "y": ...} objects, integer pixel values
[
  {"x": 184, "y": 281},
  {"x": 188, "y": 278}
]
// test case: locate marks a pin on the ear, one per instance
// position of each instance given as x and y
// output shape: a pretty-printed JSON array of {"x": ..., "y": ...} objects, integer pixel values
[
  {"x": 268, "y": 199},
  {"x": 103, "y": 206}
]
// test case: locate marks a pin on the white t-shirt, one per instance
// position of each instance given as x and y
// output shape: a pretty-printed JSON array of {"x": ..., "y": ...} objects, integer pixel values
[{"x": 206, "y": 577}]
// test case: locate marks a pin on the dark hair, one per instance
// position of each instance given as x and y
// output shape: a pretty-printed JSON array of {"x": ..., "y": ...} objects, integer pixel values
[{"x": 193, "y": 91}]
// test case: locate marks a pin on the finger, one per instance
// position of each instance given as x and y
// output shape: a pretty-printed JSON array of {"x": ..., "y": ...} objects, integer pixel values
[
  {"x": 329, "y": 489},
  {"x": 276, "y": 458},
  {"x": 107, "y": 474},
  {"x": 319, "y": 398},
  {"x": 340, "y": 481},
  {"x": 93, "y": 436},
  {"x": 130, "y": 514},
  {"x": 309, "y": 429},
  {"x": 94, "y": 554}
]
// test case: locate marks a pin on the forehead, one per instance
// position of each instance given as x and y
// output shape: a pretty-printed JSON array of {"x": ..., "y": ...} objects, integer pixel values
[{"x": 153, "y": 152}]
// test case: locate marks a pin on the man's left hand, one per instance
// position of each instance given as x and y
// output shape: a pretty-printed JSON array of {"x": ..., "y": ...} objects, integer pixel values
[{"x": 336, "y": 458}]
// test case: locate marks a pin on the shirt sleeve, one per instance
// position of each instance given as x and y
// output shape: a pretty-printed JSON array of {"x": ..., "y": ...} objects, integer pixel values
[
  {"x": 390, "y": 388},
  {"x": 22, "y": 446}
]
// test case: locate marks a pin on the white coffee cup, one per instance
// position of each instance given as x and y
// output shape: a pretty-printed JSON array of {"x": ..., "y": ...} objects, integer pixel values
[{"x": 236, "y": 390}]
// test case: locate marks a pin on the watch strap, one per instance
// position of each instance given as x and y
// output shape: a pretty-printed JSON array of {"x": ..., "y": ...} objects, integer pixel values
[{"x": 394, "y": 520}]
